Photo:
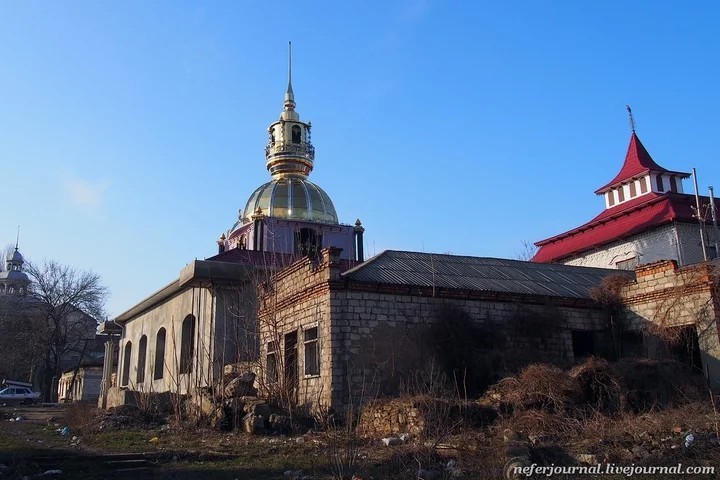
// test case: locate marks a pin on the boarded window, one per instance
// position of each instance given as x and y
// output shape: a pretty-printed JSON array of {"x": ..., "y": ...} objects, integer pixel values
[
  {"x": 312, "y": 351},
  {"x": 187, "y": 344},
  {"x": 159, "y": 354},
  {"x": 142, "y": 352},
  {"x": 643, "y": 185}
]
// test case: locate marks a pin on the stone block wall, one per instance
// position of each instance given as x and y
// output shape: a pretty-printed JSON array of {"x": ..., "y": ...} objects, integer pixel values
[
  {"x": 373, "y": 339},
  {"x": 667, "y": 297}
]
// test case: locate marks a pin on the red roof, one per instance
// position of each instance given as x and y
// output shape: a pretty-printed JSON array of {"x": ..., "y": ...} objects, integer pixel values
[
  {"x": 626, "y": 219},
  {"x": 638, "y": 162}
]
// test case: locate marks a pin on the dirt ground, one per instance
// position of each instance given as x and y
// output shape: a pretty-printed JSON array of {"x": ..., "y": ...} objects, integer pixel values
[{"x": 102, "y": 445}]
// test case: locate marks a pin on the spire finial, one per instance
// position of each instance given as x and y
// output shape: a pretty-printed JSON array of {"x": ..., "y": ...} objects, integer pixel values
[
  {"x": 17, "y": 240},
  {"x": 289, "y": 96},
  {"x": 632, "y": 119}
]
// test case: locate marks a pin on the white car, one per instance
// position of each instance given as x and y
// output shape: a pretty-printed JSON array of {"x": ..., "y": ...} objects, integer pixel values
[{"x": 19, "y": 395}]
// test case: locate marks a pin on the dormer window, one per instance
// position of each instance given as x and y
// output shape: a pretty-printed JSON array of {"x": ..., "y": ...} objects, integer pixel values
[
  {"x": 296, "y": 134},
  {"x": 673, "y": 184},
  {"x": 611, "y": 198},
  {"x": 643, "y": 185},
  {"x": 621, "y": 193},
  {"x": 633, "y": 190},
  {"x": 660, "y": 185}
]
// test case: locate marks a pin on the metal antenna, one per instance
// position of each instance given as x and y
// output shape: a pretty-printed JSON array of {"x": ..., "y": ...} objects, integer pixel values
[
  {"x": 17, "y": 240},
  {"x": 632, "y": 119},
  {"x": 700, "y": 217},
  {"x": 715, "y": 223}
]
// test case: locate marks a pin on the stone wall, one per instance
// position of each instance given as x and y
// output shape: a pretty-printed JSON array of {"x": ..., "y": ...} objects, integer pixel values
[
  {"x": 378, "y": 340},
  {"x": 665, "y": 298}
]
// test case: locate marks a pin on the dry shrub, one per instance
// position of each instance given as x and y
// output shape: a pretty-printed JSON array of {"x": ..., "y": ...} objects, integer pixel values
[
  {"x": 655, "y": 384},
  {"x": 539, "y": 423},
  {"x": 79, "y": 416},
  {"x": 607, "y": 293},
  {"x": 600, "y": 386},
  {"x": 546, "y": 388}
]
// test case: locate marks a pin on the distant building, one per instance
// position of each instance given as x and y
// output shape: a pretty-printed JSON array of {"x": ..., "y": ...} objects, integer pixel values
[
  {"x": 81, "y": 384},
  {"x": 13, "y": 281},
  {"x": 647, "y": 217}
]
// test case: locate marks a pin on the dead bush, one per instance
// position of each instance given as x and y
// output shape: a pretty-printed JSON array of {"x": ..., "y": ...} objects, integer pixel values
[
  {"x": 656, "y": 384},
  {"x": 79, "y": 416},
  {"x": 546, "y": 388},
  {"x": 599, "y": 385}
]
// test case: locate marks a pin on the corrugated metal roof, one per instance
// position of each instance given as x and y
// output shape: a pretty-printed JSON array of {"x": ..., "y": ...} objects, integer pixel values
[{"x": 479, "y": 273}]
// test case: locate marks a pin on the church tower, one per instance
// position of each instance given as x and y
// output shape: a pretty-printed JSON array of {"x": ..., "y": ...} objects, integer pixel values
[
  {"x": 13, "y": 281},
  {"x": 290, "y": 214}
]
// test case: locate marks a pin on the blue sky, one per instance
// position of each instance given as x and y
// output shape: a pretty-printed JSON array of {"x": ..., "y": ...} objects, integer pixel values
[{"x": 132, "y": 132}]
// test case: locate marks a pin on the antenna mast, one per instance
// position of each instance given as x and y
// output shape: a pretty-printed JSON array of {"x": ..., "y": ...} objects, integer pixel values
[
  {"x": 699, "y": 216},
  {"x": 714, "y": 222},
  {"x": 632, "y": 119}
]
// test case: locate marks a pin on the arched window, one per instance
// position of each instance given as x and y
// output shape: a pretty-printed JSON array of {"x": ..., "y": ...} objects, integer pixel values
[
  {"x": 126, "y": 365},
  {"x": 142, "y": 351},
  {"x": 187, "y": 344},
  {"x": 159, "y": 354},
  {"x": 296, "y": 137},
  {"x": 242, "y": 244}
]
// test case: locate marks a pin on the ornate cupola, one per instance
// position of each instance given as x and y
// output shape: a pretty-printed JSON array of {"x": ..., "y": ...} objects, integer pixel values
[
  {"x": 289, "y": 214},
  {"x": 289, "y": 150}
]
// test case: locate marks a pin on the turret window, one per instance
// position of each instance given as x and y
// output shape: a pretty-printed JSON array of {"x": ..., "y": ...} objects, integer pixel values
[
  {"x": 643, "y": 185},
  {"x": 673, "y": 184},
  {"x": 296, "y": 134},
  {"x": 660, "y": 185},
  {"x": 633, "y": 191},
  {"x": 621, "y": 193},
  {"x": 611, "y": 198}
]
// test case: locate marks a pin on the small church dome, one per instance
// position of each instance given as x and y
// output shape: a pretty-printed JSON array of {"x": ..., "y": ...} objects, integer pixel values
[
  {"x": 291, "y": 197},
  {"x": 15, "y": 257}
]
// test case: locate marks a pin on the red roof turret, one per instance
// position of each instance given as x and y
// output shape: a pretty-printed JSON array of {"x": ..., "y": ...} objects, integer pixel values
[{"x": 638, "y": 162}]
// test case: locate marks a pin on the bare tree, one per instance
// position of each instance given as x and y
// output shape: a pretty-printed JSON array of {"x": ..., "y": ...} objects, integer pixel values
[
  {"x": 70, "y": 303},
  {"x": 528, "y": 251}
]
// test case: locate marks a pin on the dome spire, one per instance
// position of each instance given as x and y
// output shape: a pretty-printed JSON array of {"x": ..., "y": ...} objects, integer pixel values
[
  {"x": 289, "y": 95},
  {"x": 289, "y": 150},
  {"x": 17, "y": 240}
]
